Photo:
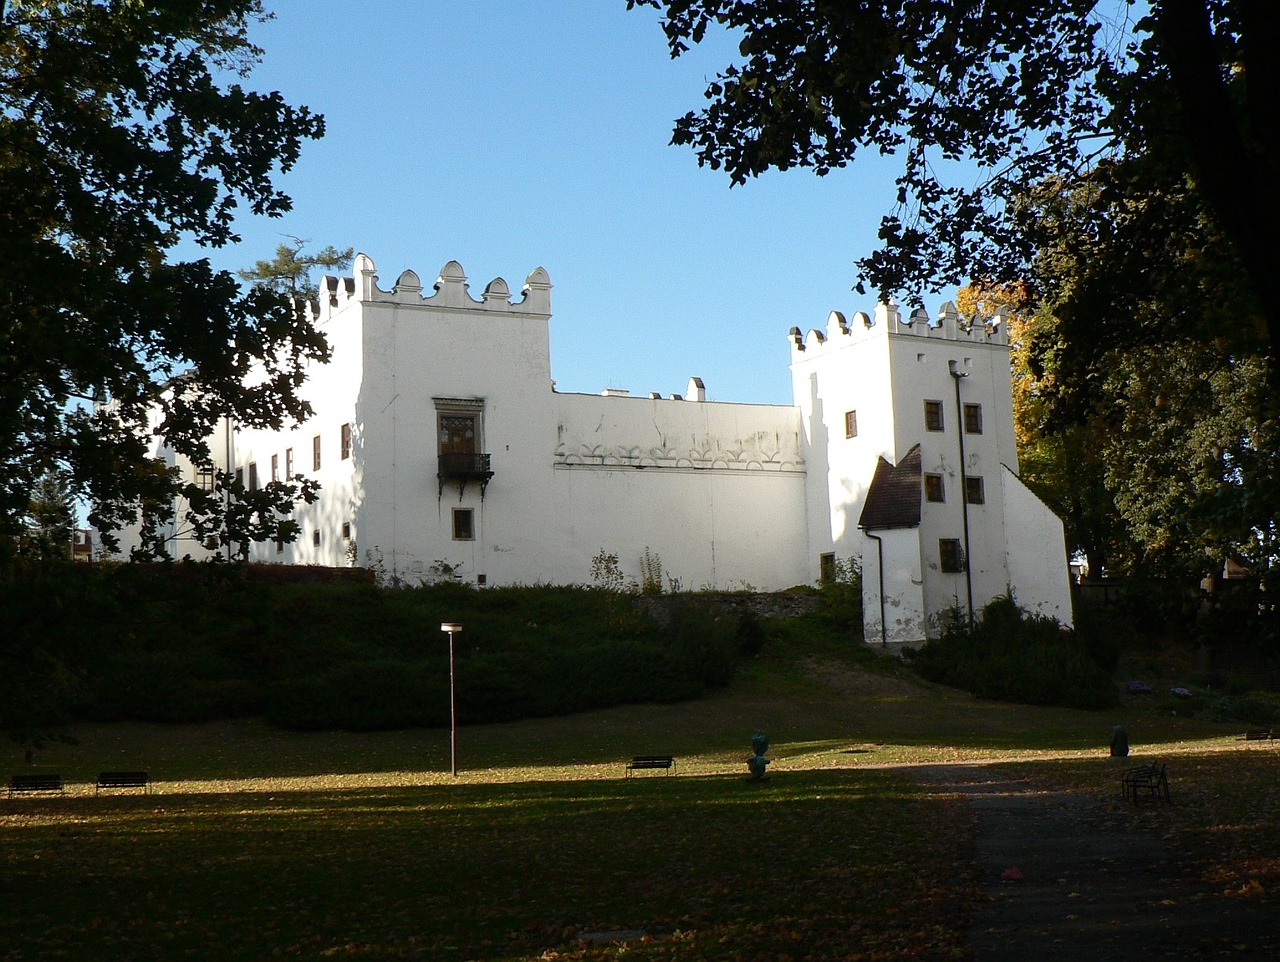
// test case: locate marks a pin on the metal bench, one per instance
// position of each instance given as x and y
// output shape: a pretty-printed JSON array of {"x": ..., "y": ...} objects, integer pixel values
[
  {"x": 1146, "y": 782},
  {"x": 123, "y": 780},
  {"x": 35, "y": 783},
  {"x": 651, "y": 761}
]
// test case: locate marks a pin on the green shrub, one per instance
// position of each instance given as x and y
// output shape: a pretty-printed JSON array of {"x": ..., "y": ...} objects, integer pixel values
[
  {"x": 1010, "y": 655},
  {"x": 362, "y": 696},
  {"x": 183, "y": 643},
  {"x": 840, "y": 595},
  {"x": 750, "y": 635}
]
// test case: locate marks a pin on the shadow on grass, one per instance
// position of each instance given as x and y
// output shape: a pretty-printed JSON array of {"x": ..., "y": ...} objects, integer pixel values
[{"x": 699, "y": 867}]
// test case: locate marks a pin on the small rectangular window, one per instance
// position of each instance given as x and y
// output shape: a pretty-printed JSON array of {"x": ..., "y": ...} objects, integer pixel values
[
  {"x": 253, "y": 475},
  {"x": 279, "y": 546},
  {"x": 346, "y": 441},
  {"x": 482, "y": 579},
  {"x": 933, "y": 416},
  {"x": 240, "y": 477},
  {"x": 974, "y": 492},
  {"x": 204, "y": 477},
  {"x": 973, "y": 419},
  {"x": 275, "y": 468},
  {"x": 850, "y": 424},
  {"x": 950, "y": 555},
  {"x": 315, "y": 453},
  {"x": 933, "y": 488},
  {"x": 288, "y": 463},
  {"x": 346, "y": 531},
  {"x": 827, "y": 568},
  {"x": 463, "y": 525},
  {"x": 315, "y": 537}
]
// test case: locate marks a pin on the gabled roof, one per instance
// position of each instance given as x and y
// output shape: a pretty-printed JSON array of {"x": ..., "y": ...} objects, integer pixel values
[{"x": 893, "y": 500}]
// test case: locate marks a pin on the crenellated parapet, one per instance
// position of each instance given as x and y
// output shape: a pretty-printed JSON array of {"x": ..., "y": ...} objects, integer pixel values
[
  {"x": 450, "y": 291},
  {"x": 888, "y": 320}
]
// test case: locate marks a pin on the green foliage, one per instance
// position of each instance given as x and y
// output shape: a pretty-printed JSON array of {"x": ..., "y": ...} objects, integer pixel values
[
  {"x": 51, "y": 518},
  {"x": 1034, "y": 92},
  {"x": 187, "y": 642},
  {"x": 605, "y": 572},
  {"x": 289, "y": 272},
  {"x": 650, "y": 573},
  {"x": 1011, "y": 655},
  {"x": 750, "y": 635},
  {"x": 123, "y": 130},
  {"x": 840, "y": 595}
]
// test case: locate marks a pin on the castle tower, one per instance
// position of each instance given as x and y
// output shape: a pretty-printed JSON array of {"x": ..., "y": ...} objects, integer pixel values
[{"x": 913, "y": 469}]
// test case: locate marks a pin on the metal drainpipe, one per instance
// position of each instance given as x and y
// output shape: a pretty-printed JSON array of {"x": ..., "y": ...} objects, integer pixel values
[
  {"x": 884, "y": 638},
  {"x": 964, "y": 490}
]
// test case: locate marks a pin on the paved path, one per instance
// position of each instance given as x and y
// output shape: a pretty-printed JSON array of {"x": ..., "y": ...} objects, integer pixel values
[{"x": 1090, "y": 890}]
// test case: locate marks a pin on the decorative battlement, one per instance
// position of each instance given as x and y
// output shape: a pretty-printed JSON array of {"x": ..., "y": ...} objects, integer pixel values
[
  {"x": 888, "y": 320},
  {"x": 450, "y": 291}
]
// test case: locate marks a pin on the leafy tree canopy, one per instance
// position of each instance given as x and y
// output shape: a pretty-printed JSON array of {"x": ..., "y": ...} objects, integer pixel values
[
  {"x": 124, "y": 130},
  {"x": 1031, "y": 91},
  {"x": 1149, "y": 380}
]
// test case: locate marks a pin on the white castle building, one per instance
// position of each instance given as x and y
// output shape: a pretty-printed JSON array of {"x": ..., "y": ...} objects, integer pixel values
[{"x": 441, "y": 445}]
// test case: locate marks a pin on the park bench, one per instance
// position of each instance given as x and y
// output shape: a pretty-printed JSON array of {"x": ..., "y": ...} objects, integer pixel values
[
  {"x": 1146, "y": 782},
  {"x": 1259, "y": 735},
  {"x": 35, "y": 783},
  {"x": 123, "y": 780},
  {"x": 651, "y": 761}
]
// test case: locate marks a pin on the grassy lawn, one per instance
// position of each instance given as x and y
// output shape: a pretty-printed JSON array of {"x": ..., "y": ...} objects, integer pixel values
[
  {"x": 259, "y": 843},
  {"x": 709, "y": 867}
]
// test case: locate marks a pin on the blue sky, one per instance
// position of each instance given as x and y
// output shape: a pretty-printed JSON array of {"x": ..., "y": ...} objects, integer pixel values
[{"x": 510, "y": 135}]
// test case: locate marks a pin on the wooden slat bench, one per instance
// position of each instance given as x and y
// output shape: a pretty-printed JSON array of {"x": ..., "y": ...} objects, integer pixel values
[
  {"x": 35, "y": 783},
  {"x": 123, "y": 780},
  {"x": 1146, "y": 782},
  {"x": 651, "y": 761},
  {"x": 1259, "y": 735}
]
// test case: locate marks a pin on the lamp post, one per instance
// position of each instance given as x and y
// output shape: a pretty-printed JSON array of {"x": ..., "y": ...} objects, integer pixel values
[{"x": 451, "y": 629}]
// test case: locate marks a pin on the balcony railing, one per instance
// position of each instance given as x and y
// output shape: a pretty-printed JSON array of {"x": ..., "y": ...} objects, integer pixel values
[{"x": 463, "y": 468}]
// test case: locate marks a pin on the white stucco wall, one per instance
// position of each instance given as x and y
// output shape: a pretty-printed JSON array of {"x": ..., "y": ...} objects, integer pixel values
[
  {"x": 717, "y": 490},
  {"x": 897, "y": 557},
  {"x": 844, "y": 368},
  {"x": 1039, "y": 574}
]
